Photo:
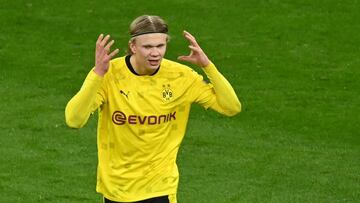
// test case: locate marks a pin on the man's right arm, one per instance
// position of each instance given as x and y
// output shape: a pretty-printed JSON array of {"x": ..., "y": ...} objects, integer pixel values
[
  {"x": 91, "y": 94},
  {"x": 85, "y": 102}
]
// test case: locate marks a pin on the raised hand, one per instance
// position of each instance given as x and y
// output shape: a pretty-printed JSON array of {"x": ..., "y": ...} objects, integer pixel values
[
  {"x": 102, "y": 56},
  {"x": 197, "y": 55}
]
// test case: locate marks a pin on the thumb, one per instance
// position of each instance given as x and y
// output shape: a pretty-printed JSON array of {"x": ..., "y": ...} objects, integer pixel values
[{"x": 184, "y": 58}]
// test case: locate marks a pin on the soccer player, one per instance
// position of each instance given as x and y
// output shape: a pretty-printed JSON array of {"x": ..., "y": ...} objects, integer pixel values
[{"x": 144, "y": 101}]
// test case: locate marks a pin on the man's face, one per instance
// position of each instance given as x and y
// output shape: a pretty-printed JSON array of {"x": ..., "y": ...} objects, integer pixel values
[{"x": 149, "y": 50}]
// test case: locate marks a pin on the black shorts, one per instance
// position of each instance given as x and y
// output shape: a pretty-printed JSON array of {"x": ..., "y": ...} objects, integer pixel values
[{"x": 162, "y": 199}]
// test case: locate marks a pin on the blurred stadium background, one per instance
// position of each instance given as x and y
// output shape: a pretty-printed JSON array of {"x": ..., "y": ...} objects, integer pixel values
[{"x": 294, "y": 65}]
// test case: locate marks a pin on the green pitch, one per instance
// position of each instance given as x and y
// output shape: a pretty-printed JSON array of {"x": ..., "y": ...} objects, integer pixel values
[{"x": 294, "y": 64}]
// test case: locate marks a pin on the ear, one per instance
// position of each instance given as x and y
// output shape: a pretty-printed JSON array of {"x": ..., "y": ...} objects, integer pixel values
[{"x": 132, "y": 46}]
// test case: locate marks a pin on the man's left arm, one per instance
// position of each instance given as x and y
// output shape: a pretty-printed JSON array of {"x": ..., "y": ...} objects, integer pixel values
[{"x": 226, "y": 101}]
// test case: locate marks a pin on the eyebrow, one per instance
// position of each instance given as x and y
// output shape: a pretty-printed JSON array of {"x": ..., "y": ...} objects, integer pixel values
[{"x": 150, "y": 45}]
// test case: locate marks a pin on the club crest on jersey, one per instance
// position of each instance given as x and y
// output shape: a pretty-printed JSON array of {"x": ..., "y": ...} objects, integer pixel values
[{"x": 167, "y": 93}]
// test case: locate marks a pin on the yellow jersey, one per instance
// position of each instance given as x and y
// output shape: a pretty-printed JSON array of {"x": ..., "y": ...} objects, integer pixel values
[{"x": 142, "y": 121}]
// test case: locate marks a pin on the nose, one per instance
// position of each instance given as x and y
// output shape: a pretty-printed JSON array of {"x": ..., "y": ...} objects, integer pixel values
[{"x": 154, "y": 52}]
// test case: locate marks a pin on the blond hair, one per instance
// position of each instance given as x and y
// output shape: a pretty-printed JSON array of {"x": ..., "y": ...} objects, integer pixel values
[{"x": 146, "y": 24}]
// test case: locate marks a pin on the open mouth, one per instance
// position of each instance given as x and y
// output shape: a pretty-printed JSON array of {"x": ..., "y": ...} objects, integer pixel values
[{"x": 154, "y": 62}]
